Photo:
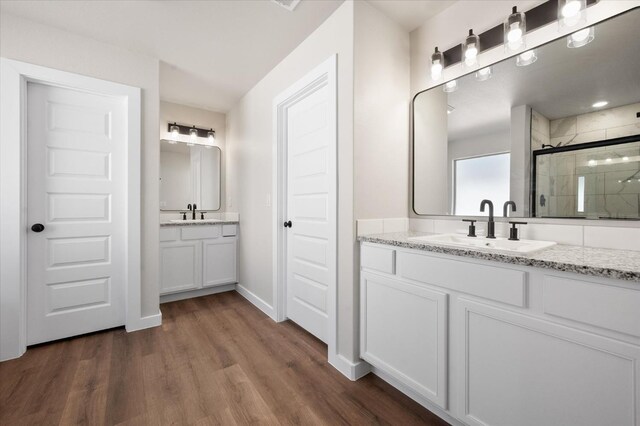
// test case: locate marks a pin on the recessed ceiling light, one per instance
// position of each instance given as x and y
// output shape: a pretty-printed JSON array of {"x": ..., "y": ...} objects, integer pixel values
[{"x": 600, "y": 104}]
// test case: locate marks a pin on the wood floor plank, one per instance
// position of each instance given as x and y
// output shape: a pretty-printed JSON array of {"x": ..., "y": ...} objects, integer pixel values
[{"x": 216, "y": 360}]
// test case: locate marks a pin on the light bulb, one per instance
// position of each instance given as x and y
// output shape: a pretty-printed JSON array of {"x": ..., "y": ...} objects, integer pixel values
[
  {"x": 625, "y": 158},
  {"x": 436, "y": 71},
  {"x": 600, "y": 104},
  {"x": 211, "y": 136},
  {"x": 450, "y": 86},
  {"x": 484, "y": 74},
  {"x": 571, "y": 8},
  {"x": 592, "y": 163},
  {"x": 193, "y": 134},
  {"x": 437, "y": 65},
  {"x": 470, "y": 49},
  {"x": 175, "y": 132},
  {"x": 526, "y": 58},
  {"x": 608, "y": 160},
  {"x": 581, "y": 38},
  {"x": 515, "y": 33},
  {"x": 515, "y": 28},
  {"x": 571, "y": 13}
]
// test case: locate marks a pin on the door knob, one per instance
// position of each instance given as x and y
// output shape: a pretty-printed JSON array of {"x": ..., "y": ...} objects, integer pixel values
[
  {"x": 287, "y": 224},
  {"x": 38, "y": 227}
]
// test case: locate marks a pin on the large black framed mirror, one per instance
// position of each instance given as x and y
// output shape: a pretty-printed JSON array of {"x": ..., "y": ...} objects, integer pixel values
[{"x": 482, "y": 139}]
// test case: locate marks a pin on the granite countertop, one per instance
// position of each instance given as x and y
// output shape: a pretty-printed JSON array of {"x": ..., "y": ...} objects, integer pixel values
[
  {"x": 599, "y": 262},
  {"x": 204, "y": 222}
]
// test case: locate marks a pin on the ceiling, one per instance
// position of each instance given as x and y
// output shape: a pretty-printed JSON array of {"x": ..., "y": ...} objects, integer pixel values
[
  {"x": 211, "y": 52},
  {"x": 563, "y": 82},
  {"x": 410, "y": 14}
]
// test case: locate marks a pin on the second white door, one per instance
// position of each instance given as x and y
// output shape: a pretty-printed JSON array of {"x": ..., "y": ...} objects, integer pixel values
[{"x": 311, "y": 206}]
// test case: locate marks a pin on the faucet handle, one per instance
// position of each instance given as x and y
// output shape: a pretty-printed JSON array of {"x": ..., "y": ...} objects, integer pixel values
[
  {"x": 184, "y": 215},
  {"x": 472, "y": 227},
  {"x": 202, "y": 215},
  {"x": 513, "y": 232}
]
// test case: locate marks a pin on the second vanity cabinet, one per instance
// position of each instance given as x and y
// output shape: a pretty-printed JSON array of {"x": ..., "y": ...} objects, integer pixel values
[
  {"x": 197, "y": 256},
  {"x": 486, "y": 343}
]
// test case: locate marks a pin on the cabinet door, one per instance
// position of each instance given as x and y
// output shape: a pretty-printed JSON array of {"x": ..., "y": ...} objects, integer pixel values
[
  {"x": 517, "y": 370},
  {"x": 180, "y": 266},
  {"x": 219, "y": 260},
  {"x": 403, "y": 333}
]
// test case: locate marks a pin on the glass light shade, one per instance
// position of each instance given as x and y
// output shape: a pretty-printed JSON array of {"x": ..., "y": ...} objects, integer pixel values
[
  {"x": 571, "y": 13},
  {"x": 515, "y": 29},
  {"x": 211, "y": 136},
  {"x": 437, "y": 65},
  {"x": 175, "y": 133},
  {"x": 526, "y": 58},
  {"x": 484, "y": 74},
  {"x": 450, "y": 86},
  {"x": 470, "y": 50},
  {"x": 581, "y": 38},
  {"x": 193, "y": 134}
]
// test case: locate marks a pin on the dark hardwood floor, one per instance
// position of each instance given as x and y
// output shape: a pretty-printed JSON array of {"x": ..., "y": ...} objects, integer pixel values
[{"x": 215, "y": 360}]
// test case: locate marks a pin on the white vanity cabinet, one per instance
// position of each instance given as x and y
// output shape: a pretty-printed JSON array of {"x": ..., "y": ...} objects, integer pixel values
[
  {"x": 487, "y": 343},
  {"x": 197, "y": 256}
]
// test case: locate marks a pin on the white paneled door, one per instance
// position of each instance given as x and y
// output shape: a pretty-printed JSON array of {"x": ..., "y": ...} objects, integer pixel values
[
  {"x": 310, "y": 212},
  {"x": 76, "y": 171}
]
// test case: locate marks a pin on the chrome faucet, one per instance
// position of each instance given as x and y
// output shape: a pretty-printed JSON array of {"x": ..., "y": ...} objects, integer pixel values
[
  {"x": 491, "y": 225},
  {"x": 192, "y": 210},
  {"x": 505, "y": 208}
]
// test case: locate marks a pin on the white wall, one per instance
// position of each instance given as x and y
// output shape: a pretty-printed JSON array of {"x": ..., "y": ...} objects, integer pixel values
[
  {"x": 38, "y": 44},
  {"x": 249, "y": 165},
  {"x": 381, "y": 115},
  {"x": 202, "y": 118}
]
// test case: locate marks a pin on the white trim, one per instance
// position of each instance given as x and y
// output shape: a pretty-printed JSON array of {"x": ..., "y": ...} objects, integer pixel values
[
  {"x": 181, "y": 295},
  {"x": 14, "y": 76},
  {"x": 352, "y": 371},
  {"x": 149, "y": 321},
  {"x": 438, "y": 411},
  {"x": 326, "y": 70},
  {"x": 257, "y": 301}
]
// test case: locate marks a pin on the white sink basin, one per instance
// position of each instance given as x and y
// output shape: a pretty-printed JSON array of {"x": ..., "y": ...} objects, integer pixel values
[
  {"x": 498, "y": 245},
  {"x": 195, "y": 221}
]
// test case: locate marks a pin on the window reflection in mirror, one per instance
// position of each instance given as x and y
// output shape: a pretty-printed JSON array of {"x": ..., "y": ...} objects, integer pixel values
[
  {"x": 567, "y": 97},
  {"x": 188, "y": 175}
]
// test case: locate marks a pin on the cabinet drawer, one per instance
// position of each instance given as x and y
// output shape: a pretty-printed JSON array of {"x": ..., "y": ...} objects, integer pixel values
[
  {"x": 169, "y": 234},
  {"x": 228, "y": 230},
  {"x": 199, "y": 232},
  {"x": 593, "y": 304},
  {"x": 379, "y": 259},
  {"x": 490, "y": 282}
]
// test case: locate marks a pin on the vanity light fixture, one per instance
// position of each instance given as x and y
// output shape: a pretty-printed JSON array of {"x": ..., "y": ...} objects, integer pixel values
[
  {"x": 608, "y": 160},
  {"x": 450, "y": 86},
  {"x": 484, "y": 74},
  {"x": 625, "y": 158},
  {"x": 600, "y": 104},
  {"x": 526, "y": 58},
  {"x": 581, "y": 38},
  {"x": 175, "y": 132},
  {"x": 592, "y": 163},
  {"x": 437, "y": 65},
  {"x": 571, "y": 13},
  {"x": 515, "y": 28},
  {"x": 470, "y": 49}
]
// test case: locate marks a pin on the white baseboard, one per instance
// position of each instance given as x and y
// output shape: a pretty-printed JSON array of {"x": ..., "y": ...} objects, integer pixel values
[
  {"x": 173, "y": 297},
  {"x": 256, "y": 301},
  {"x": 416, "y": 397},
  {"x": 352, "y": 371},
  {"x": 144, "y": 322}
]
